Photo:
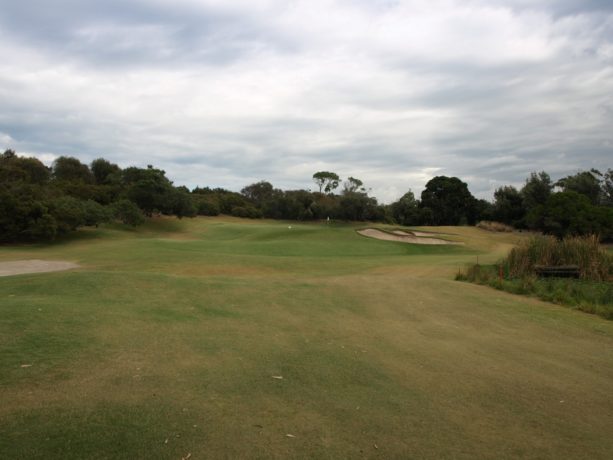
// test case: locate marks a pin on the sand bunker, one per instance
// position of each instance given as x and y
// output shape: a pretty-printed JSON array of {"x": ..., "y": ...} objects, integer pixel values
[
  {"x": 20, "y": 267},
  {"x": 404, "y": 237}
]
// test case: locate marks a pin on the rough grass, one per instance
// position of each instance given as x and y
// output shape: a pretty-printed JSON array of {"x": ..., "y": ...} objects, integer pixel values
[
  {"x": 494, "y": 226},
  {"x": 593, "y": 293},
  {"x": 585, "y": 295},
  {"x": 594, "y": 262},
  {"x": 166, "y": 341}
]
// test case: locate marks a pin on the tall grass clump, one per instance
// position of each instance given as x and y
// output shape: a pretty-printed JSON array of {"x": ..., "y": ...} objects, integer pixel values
[
  {"x": 594, "y": 263},
  {"x": 491, "y": 226},
  {"x": 593, "y": 293}
]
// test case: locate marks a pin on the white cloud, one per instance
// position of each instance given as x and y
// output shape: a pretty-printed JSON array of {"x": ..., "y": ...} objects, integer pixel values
[{"x": 224, "y": 93}]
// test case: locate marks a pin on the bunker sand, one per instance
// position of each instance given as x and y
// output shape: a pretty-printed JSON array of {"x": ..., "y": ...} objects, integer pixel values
[
  {"x": 21, "y": 267},
  {"x": 403, "y": 237}
]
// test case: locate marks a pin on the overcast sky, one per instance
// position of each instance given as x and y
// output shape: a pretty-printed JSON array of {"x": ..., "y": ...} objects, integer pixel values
[{"x": 229, "y": 92}]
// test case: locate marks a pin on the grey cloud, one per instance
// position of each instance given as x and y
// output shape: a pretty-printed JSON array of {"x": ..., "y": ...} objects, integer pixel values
[{"x": 285, "y": 104}]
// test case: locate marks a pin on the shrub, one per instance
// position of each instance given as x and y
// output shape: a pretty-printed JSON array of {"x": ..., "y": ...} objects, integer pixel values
[
  {"x": 128, "y": 213},
  {"x": 208, "y": 207},
  {"x": 494, "y": 226},
  {"x": 593, "y": 261}
]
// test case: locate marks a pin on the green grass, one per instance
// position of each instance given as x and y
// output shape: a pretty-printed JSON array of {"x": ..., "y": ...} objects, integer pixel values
[
  {"x": 166, "y": 339},
  {"x": 585, "y": 295}
]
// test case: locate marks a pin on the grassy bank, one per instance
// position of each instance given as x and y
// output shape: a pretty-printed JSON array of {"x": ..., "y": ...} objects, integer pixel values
[
  {"x": 592, "y": 292},
  {"x": 170, "y": 340}
]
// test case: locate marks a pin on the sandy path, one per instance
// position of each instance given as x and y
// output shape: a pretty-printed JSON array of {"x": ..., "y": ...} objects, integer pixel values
[
  {"x": 20, "y": 267},
  {"x": 403, "y": 237}
]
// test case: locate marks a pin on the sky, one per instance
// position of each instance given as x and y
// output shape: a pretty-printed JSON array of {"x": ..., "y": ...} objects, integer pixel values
[{"x": 225, "y": 93}]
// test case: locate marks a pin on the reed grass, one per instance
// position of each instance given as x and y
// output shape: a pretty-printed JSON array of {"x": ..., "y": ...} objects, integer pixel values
[
  {"x": 492, "y": 226},
  {"x": 594, "y": 262},
  {"x": 592, "y": 293}
]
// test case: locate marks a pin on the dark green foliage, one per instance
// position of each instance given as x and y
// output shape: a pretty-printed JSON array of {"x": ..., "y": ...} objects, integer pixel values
[
  {"x": 353, "y": 185},
  {"x": 586, "y": 183},
  {"x": 207, "y": 206},
  {"x": 20, "y": 169},
  {"x": 95, "y": 213},
  {"x": 68, "y": 212},
  {"x": 37, "y": 203},
  {"x": 326, "y": 181},
  {"x": 40, "y": 202},
  {"x": 358, "y": 206},
  {"x": 24, "y": 216},
  {"x": 571, "y": 213},
  {"x": 450, "y": 201},
  {"x": 537, "y": 189},
  {"x": 69, "y": 169},
  {"x": 258, "y": 193},
  {"x": 406, "y": 210},
  {"x": 181, "y": 204},
  {"x": 606, "y": 185},
  {"x": 508, "y": 206},
  {"x": 105, "y": 172},
  {"x": 247, "y": 211},
  {"x": 148, "y": 188},
  {"x": 127, "y": 212}
]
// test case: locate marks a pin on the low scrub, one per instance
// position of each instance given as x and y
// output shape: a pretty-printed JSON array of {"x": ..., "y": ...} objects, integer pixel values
[
  {"x": 592, "y": 293},
  {"x": 594, "y": 262},
  {"x": 491, "y": 226}
]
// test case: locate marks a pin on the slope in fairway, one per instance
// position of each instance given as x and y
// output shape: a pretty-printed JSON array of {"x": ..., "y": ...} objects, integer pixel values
[{"x": 173, "y": 338}]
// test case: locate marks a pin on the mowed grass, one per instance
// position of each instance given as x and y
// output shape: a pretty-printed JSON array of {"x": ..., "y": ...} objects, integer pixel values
[{"x": 167, "y": 341}]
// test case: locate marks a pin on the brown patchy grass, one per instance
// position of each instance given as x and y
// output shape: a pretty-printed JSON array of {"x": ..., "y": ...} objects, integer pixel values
[{"x": 382, "y": 356}]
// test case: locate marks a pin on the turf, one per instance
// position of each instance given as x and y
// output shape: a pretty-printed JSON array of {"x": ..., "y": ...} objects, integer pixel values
[{"x": 167, "y": 341}]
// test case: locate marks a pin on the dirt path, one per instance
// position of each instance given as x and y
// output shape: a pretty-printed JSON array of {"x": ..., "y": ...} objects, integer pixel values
[
  {"x": 403, "y": 237},
  {"x": 20, "y": 267}
]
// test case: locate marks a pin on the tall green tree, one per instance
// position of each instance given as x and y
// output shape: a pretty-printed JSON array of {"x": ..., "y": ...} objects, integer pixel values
[
  {"x": 352, "y": 185},
  {"x": 508, "y": 206},
  {"x": 105, "y": 172},
  {"x": 406, "y": 210},
  {"x": 326, "y": 181},
  {"x": 536, "y": 190},
  {"x": 70, "y": 169},
  {"x": 586, "y": 183},
  {"x": 449, "y": 200}
]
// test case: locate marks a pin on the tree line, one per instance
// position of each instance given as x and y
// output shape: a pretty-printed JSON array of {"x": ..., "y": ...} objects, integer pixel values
[{"x": 38, "y": 203}]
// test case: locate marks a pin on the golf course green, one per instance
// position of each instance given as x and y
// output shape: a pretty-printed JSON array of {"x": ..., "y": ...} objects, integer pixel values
[{"x": 230, "y": 338}]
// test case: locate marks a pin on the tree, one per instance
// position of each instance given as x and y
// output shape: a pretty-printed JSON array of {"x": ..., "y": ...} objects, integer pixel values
[
  {"x": 406, "y": 211},
  {"x": 326, "y": 181},
  {"x": 607, "y": 188},
  {"x": 181, "y": 204},
  {"x": 449, "y": 200},
  {"x": 353, "y": 185},
  {"x": 258, "y": 193},
  {"x": 148, "y": 188},
  {"x": 21, "y": 169},
  {"x": 128, "y": 213},
  {"x": 537, "y": 189},
  {"x": 104, "y": 171},
  {"x": 571, "y": 213},
  {"x": 69, "y": 169},
  {"x": 508, "y": 206},
  {"x": 586, "y": 183}
]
